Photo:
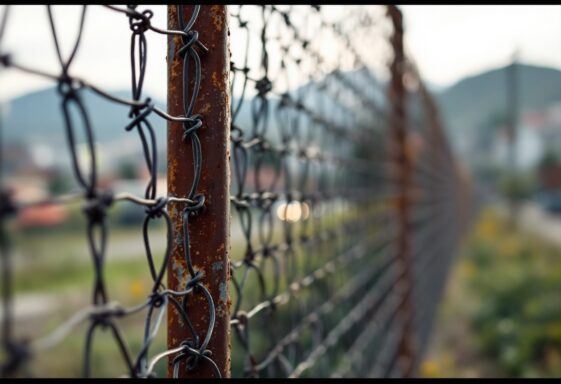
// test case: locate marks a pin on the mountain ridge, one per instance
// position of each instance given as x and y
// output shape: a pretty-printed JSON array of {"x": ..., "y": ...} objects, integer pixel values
[
  {"x": 468, "y": 107},
  {"x": 475, "y": 104}
]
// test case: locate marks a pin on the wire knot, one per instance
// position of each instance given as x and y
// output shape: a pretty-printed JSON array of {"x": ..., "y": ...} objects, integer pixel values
[
  {"x": 191, "y": 39},
  {"x": 191, "y": 126},
  {"x": 139, "y": 22},
  {"x": 140, "y": 116},
  {"x": 194, "y": 208},
  {"x": 194, "y": 281},
  {"x": 263, "y": 86},
  {"x": 242, "y": 318},
  {"x": 156, "y": 210},
  {"x": 157, "y": 299},
  {"x": 272, "y": 305},
  {"x": 193, "y": 355},
  {"x": 68, "y": 87},
  {"x": 249, "y": 255},
  {"x": 236, "y": 135},
  {"x": 96, "y": 206}
]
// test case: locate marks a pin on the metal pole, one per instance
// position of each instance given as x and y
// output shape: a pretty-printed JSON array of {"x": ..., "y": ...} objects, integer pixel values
[
  {"x": 209, "y": 240},
  {"x": 398, "y": 133}
]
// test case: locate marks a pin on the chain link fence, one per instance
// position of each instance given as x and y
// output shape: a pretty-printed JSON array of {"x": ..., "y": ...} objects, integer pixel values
[{"x": 323, "y": 254}]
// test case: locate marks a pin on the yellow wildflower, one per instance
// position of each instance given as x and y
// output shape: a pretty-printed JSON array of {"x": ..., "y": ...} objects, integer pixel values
[
  {"x": 429, "y": 369},
  {"x": 137, "y": 289}
]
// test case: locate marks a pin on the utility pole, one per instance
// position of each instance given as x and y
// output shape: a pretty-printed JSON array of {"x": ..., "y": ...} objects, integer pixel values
[{"x": 512, "y": 89}]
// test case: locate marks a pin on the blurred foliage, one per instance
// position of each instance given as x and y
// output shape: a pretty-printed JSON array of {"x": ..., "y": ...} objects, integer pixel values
[
  {"x": 549, "y": 158},
  {"x": 128, "y": 171},
  {"x": 59, "y": 183},
  {"x": 516, "y": 280},
  {"x": 520, "y": 186}
]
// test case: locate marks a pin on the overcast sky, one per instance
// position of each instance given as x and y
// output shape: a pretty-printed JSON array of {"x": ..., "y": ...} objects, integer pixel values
[{"x": 447, "y": 43}]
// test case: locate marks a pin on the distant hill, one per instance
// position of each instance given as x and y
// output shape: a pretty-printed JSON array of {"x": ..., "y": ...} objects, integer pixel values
[
  {"x": 467, "y": 107},
  {"x": 38, "y": 116},
  {"x": 35, "y": 121},
  {"x": 473, "y": 101}
]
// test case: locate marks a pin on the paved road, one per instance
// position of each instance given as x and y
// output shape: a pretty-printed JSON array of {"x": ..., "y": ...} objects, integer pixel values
[
  {"x": 533, "y": 219},
  {"x": 124, "y": 247}
]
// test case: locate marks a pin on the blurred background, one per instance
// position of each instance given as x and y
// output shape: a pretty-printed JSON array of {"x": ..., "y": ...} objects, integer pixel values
[{"x": 495, "y": 72}]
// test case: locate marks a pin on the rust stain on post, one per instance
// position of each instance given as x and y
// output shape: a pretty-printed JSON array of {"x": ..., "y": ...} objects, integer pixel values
[{"x": 209, "y": 231}]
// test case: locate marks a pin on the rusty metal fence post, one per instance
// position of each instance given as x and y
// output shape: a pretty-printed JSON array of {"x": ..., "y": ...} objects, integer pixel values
[
  {"x": 400, "y": 157},
  {"x": 209, "y": 230}
]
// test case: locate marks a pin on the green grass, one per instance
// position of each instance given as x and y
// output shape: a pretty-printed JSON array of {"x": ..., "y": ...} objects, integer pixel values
[
  {"x": 56, "y": 261},
  {"x": 46, "y": 268},
  {"x": 65, "y": 360}
]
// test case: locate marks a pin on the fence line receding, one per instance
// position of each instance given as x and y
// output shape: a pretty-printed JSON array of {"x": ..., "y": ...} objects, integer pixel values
[{"x": 313, "y": 203}]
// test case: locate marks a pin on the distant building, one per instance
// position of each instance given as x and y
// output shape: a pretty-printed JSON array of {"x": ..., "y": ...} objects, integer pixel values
[
  {"x": 529, "y": 147},
  {"x": 41, "y": 216},
  {"x": 548, "y": 124},
  {"x": 28, "y": 187}
]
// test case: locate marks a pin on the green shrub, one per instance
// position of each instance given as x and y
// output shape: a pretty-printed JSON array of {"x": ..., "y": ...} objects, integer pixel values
[{"x": 516, "y": 280}]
